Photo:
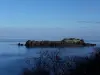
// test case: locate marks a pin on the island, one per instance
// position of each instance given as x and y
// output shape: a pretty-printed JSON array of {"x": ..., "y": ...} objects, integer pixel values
[{"x": 66, "y": 42}]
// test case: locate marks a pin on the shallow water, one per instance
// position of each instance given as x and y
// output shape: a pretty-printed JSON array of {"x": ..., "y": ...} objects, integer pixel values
[{"x": 13, "y": 58}]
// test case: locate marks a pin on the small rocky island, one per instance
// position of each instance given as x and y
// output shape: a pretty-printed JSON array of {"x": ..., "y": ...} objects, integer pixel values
[{"x": 66, "y": 42}]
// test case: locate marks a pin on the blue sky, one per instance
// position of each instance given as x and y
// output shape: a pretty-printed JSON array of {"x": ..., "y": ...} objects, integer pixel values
[{"x": 74, "y": 17}]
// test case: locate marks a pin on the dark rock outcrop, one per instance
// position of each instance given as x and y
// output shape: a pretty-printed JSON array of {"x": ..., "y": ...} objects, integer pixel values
[
  {"x": 19, "y": 44},
  {"x": 71, "y": 42}
]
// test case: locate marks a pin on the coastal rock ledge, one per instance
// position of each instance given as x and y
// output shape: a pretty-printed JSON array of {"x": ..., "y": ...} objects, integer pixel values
[{"x": 66, "y": 42}]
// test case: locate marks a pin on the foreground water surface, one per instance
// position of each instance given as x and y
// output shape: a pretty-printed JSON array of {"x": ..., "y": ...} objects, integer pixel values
[{"x": 13, "y": 58}]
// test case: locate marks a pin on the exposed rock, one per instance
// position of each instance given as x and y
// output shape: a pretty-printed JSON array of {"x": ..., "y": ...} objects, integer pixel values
[
  {"x": 63, "y": 43},
  {"x": 19, "y": 44}
]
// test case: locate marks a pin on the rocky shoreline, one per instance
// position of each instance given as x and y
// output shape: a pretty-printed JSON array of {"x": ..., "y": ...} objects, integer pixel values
[{"x": 66, "y": 42}]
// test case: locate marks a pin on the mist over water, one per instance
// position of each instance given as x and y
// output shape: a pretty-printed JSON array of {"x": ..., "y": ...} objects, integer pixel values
[{"x": 56, "y": 33}]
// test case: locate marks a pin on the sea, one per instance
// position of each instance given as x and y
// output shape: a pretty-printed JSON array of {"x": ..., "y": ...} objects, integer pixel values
[{"x": 13, "y": 59}]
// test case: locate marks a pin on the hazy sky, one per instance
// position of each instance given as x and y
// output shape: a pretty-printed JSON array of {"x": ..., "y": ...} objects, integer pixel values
[{"x": 57, "y": 18}]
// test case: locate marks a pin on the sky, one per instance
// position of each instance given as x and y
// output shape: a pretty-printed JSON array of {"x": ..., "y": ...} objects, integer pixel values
[{"x": 49, "y": 19}]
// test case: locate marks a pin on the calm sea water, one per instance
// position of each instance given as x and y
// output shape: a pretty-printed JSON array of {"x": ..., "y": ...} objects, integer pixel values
[{"x": 13, "y": 58}]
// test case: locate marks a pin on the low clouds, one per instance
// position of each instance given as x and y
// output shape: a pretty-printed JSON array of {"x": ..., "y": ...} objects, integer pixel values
[{"x": 92, "y": 22}]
